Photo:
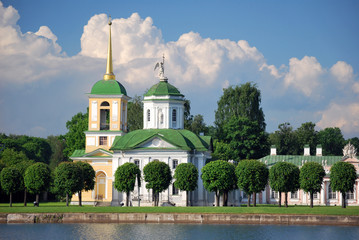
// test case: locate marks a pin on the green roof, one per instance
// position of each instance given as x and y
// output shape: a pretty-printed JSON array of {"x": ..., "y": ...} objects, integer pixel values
[
  {"x": 78, "y": 153},
  {"x": 299, "y": 159},
  {"x": 82, "y": 153},
  {"x": 163, "y": 88},
  {"x": 108, "y": 87},
  {"x": 180, "y": 139}
]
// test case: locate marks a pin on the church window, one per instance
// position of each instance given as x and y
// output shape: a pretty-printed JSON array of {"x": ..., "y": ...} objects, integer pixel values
[
  {"x": 148, "y": 115},
  {"x": 174, "y": 115},
  {"x": 245, "y": 196},
  {"x": 104, "y": 119},
  {"x": 103, "y": 140},
  {"x": 174, "y": 163},
  {"x": 274, "y": 194},
  {"x": 350, "y": 195},
  {"x": 174, "y": 190},
  {"x": 105, "y": 104},
  {"x": 315, "y": 195},
  {"x": 137, "y": 162},
  {"x": 294, "y": 195},
  {"x": 331, "y": 194}
]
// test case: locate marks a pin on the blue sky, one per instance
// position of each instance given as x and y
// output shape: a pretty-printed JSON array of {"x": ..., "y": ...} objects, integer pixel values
[{"x": 303, "y": 56}]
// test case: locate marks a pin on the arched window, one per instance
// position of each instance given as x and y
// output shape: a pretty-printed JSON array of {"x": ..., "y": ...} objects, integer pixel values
[
  {"x": 148, "y": 115},
  {"x": 174, "y": 115},
  {"x": 105, "y": 104}
]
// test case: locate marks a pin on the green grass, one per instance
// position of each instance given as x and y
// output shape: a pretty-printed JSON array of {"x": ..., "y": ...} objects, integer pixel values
[{"x": 59, "y": 207}]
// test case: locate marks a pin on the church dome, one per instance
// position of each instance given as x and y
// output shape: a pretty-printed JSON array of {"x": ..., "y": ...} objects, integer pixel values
[
  {"x": 108, "y": 87},
  {"x": 163, "y": 88}
]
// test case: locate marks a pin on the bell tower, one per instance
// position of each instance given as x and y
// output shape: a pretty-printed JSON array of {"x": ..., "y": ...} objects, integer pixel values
[{"x": 107, "y": 108}]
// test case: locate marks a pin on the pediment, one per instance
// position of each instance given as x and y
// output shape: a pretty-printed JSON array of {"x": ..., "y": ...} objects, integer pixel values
[
  {"x": 99, "y": 153},
  {"x": 156, "y": 142},
  {"x": 351, "y": 160}
]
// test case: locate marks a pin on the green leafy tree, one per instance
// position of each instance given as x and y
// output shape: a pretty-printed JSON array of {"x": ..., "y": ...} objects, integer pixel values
[
  {"x": 75, "y": 137},
  {"x": 158, "y": 177},
  {"x": 22, "y": 167},
  {"x": 188, "y": 118},
  {"x": 219, "y": 177},
  {"x": 58, "y": 145},
  {"x": 222, "y": 151},
  {"x": 37, "y": 179},
  {"x": 36, "y": 149},
  {"x": 342, "y": 179},
  {"x": 306, "y": 134},
  {"x": 125, "y": 179},
  {"x": 135, "y": 114},
  {"x": 239, "y": 101},
  {"x": 332, "y": 141},
  {"x": 89, "y": 175},
  {"x": 284, "y": 177},
  {"x": 11, "y": 157},
  {"x": 311, "y": 178},
  {"x": 285, "y": 140},
  {"x": 252, "y": 177},
  {"x": 198, "y": 125},
  {"x": 186, "y": 175},
  {"x": 246, "y": 138},
  {"x": 10, "y": 179},
  {"x": 68, "y": 179}
]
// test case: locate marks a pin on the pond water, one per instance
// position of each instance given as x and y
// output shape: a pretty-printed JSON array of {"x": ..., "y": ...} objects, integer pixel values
[{"x": 174, "y": 231}]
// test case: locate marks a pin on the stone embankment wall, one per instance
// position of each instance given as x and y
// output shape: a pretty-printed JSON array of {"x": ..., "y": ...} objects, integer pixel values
[{"x": 177, "y": 218}]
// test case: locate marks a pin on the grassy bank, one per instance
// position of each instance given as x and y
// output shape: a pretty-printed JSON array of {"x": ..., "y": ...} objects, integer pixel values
[{"x": 60, "y": 207}]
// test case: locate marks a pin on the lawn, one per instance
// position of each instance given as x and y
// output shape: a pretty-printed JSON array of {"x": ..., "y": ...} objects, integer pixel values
[{"x": 59, "y": 207}]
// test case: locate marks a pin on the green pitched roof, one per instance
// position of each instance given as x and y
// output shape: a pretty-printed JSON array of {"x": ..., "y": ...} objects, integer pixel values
[
  {"x": 108, "y": 87},
  {"x": 297, "y": 159},
  {"x": 163, "y": 88},
  {"x": 180, "y": 139},
  {"x": 82, "y": 153},
  {"x": 78, "y": 153}
]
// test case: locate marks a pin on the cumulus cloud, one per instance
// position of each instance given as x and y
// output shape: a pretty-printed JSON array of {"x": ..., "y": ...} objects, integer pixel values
[
  {"x": 304, "y": 74},
  {"x": 199, "y": 66},
  {"x": 344, "y": 116},
  {"x": 342, "y": 71}
]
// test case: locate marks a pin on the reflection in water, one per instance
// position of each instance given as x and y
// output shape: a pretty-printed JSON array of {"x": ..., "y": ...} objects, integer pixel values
[{"x": 173, "y": 231}]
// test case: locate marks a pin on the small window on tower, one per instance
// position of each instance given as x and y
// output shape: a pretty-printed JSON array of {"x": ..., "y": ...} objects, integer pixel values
[
  {"x": 105, "y": 104},
  {"x": 103, "y": 140},
  {"x": 174, "y": 163},
  {"x": 174, "y": 115},
  {"x": 148, "y": 115}
]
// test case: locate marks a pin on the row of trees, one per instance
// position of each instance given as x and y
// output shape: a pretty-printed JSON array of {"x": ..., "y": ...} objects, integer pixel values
[{"x": 68, "y": 178}]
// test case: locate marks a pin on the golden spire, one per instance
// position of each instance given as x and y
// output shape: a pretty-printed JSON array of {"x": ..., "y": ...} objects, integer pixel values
[{"x": 109, "y": 70}]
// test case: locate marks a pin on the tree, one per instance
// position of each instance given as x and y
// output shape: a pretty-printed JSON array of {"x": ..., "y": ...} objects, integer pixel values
[
  {"x": 75, "y": 138},
  {"x": 186, "y": 175},
  {"x": 88, "y": 178},
  {"x": 252, "y": 177},
  {"x": 332, "y": 141},
  {"x": 37, "y": 179},
  {"x": 342, "y": 179},
  {"x": 219, "y": 177},
  {"x": 188, "y": 118},
  {"x": 22, "y": 167},
  {"x": 135, "y": 113},
  {"x": 68, "y": 179},
  {"x": 198, "y": 125},
  {"x": 246, "y": 138},
  {"x": 284, "y": 177},
  {"x": 222, "y": 151},
  {"x": 285, "y": 140},
  {"x": 10, "y": 179},
  {"x": 158, "y": 177},
  {"x": 239, "y": 101},
  {"x": 311, "y": 178},
  {"x": 58, "y": 145},
  {"x": 306, "y": 134},
  {"x": 125, "y": 179},
  {"x": 11, "y": 157}
]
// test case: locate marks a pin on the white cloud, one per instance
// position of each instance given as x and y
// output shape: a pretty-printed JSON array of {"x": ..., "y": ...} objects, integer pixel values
[
  {"x": 342, "y": 71},
  {"x": 344, "y": 116},
  {"x": 304, "y": 74}
]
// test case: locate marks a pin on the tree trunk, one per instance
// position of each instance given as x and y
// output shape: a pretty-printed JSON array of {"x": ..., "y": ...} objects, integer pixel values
[
  {"x": 10, "y": 199},
  {"x": 25, "y": 195},
  {"x": 37, "y": 199},
  {"x": 225, "y": 198},
  {"x": 80, "y": 198},
  {"x": 157, "y": 199},
  {"x": 343, "y": 200},
  {"x": 286, "y": 199},
  {"x": 311, "y": 199},
  {"x": 255, "y": 199},
  {"x": 187, "y": 198},
  {"x": 249, "y": 199},
  {"x": 217, "y": 198},
  {"x": 127, "y": 198},
  {"x": 67, "y": 199},
  {"x": 280, "y": 199}
]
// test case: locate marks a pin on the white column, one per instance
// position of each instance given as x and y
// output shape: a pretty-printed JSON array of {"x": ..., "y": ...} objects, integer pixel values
[{"x": 322, "y": 195}]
